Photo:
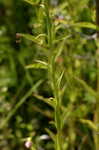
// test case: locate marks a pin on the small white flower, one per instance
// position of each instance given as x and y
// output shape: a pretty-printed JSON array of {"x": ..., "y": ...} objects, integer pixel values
[
  {"x": 44, "y": 137},
  {"x": 28, "y": 144}
]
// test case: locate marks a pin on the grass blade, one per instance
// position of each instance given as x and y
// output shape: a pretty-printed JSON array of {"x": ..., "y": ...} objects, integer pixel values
[{"x": 18, "y": 105}]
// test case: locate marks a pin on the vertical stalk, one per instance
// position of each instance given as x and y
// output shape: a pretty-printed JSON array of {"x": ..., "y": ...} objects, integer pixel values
[
  {"x": 96, "y": 114},
  {"x": 58, "y": 144},
  {"x": 52, "y": 74}
]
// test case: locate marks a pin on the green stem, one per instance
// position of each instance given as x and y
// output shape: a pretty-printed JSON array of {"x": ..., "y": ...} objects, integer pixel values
[
  {"x": 52, "y": 74},
  {"x": 96, "y": 114},
  {"x": 57, "y": 108}
]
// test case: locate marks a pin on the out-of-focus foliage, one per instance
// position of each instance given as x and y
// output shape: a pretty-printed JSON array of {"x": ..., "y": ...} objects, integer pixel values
[{"x": 26, "y": 97}]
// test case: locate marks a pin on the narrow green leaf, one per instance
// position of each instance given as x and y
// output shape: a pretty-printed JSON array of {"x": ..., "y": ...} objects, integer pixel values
[
  {"x": 50, "y": 101},
  {"x": 89, "y": 123},
  {"x": 86, "y": 25},
  {"x": 42, "y": 62},
  {"x": 51, "y": 134},
  {"x": 81, "y": 24},
  {"x": 60, "y": 79},
  {"x": 24, "y": 98},
  {"x": 86, "y": 86},
  {"x": 60, "y": 49},
  {"x": 38, "y": 65},
  {"x": 40, "y": 36},
  {"x": 31, "y": 2},
  {"x": 62, "y": 38},
  {"x": 43, "y": 112},
  {"x": 32, "y": 38},
  {"x": 66, "y": 113}
]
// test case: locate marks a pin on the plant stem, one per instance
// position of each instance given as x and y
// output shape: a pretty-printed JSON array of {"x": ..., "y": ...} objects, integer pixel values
[
  {"x": 52, "y": 74},
  {"x": 57, "y": 107},
  {"x": 96, "y": 114}
]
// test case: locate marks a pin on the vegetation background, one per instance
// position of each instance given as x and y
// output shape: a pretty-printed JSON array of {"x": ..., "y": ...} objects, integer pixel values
[{"x": 26, "y": 94}]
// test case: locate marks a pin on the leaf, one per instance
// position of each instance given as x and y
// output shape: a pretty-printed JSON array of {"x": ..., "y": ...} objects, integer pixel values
[
  {"x": 60, "y": 79},
  {"x": 24, "y": 98},
  {"x": 38, "y": 65},
  {"x": 43, "y": 112},
  {"x": 31, "y": 2},
  {"x": 66, "y": 113},
  {"x": 32, "y": 38},
  {"x": 86, "y": 86},
  {"x": 40, "y": 36},
  {"x": 62, "y": 38},
  {"x": 86, "y": 25},
  {"x": 50, "y": 101},
  {"x": 41, "y": 62},
  {"x": 60, "y": 49},
  {"x": 89, "y": 123},
  {"x": 80, "y": 24},
  {"x": 51, "y": 134}
]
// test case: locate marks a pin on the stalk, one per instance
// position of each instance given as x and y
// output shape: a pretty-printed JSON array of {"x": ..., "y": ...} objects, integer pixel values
[
  {"x": 58, "y": 144},
  {"x": 96, "y": 114},
  {"x": 52, "y": 74}
]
